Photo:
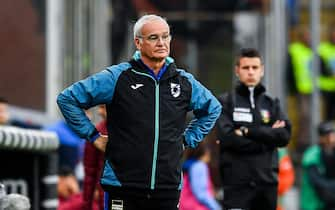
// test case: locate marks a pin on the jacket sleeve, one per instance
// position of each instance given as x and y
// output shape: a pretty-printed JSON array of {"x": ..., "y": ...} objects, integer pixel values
[
  {"x": 275, "y": 137},
  {"x": 228, "y": 139},
  {"x": 94, "y": 90},
  {"x": 206, "y": 109}
]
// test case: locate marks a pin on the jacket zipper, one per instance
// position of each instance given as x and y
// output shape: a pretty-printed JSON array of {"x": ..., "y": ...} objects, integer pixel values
[
  {"x": 251, "y": 97},
  {"x": 154, "y": 159}
]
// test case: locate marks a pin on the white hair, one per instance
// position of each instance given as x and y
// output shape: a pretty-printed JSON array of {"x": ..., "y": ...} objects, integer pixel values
[{"x": 144, "y": 20}]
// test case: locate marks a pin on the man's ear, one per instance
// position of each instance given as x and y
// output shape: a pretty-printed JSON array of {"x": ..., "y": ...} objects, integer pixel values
[
  {"x": 137, "y": 43},
  {"x": 237, "y": 71},
  {"x": 262, "y": 73}
]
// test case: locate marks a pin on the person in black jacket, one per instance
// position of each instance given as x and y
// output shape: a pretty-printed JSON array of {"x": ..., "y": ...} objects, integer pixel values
[
  {"x": 147, "y": 100},
  {"x": 250, "y": 129}
]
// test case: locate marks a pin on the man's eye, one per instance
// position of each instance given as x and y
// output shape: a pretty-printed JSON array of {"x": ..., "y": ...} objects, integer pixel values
[{"x": 153, "y": 37}]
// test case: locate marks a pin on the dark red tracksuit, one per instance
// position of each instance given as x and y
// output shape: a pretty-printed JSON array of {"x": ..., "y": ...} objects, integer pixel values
[{"x": 93, "y": 163}]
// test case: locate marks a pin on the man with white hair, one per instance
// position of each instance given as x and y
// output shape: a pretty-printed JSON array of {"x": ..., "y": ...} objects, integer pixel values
[{"x": 147, "y": 99}]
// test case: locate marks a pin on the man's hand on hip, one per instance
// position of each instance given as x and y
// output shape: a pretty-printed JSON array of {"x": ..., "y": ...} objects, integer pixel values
[{"x": 101, "y": 142}]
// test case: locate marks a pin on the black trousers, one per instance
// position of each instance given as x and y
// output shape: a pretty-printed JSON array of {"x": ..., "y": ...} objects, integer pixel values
[
  {"x": 250, "y": 197},
  {"x": 147, "y": 200}
]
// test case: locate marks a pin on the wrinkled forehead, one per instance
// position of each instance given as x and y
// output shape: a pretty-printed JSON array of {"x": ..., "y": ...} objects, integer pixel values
[{"x": 155, "y": 27}]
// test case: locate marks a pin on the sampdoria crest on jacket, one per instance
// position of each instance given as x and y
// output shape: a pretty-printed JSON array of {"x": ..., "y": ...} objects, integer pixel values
[{"x": 175, "y": 90}]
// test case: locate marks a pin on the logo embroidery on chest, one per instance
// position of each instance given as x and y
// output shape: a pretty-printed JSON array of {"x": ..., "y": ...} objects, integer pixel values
[
  {"x": 136, "y": 86},
  {"x": 175, "y": 89},
  {"x": 265, "y": 115}
]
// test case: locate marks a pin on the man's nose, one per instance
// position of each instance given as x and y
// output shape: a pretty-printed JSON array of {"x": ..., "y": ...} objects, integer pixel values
[{"x": 160, "y": 40}]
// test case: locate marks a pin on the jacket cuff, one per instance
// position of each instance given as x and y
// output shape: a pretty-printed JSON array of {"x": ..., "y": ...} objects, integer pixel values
[{"x": 94, "y": 136}]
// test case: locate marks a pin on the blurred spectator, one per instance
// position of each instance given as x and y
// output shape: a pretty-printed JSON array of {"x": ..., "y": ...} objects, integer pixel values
[
  {"x": 71, "y": 147},
  {"x": 318, "y": 181},
  {"x": 301, "y": 83},
  {"x": 93, "y": 164},
  {"x": 327, "y": 79},
  {"x": 285, "y": 175},
  {"x": 5, "y": 118},
  {"x": 197, "y": 192},
  {"x": 69, "y": 195},
  {"x": 67, "y": 183}
]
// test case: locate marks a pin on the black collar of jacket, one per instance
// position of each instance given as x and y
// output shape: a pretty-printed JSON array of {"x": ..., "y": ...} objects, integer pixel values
[
  {"x": 140, "y": 67},
  {"x": 242, "y": 89}
]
